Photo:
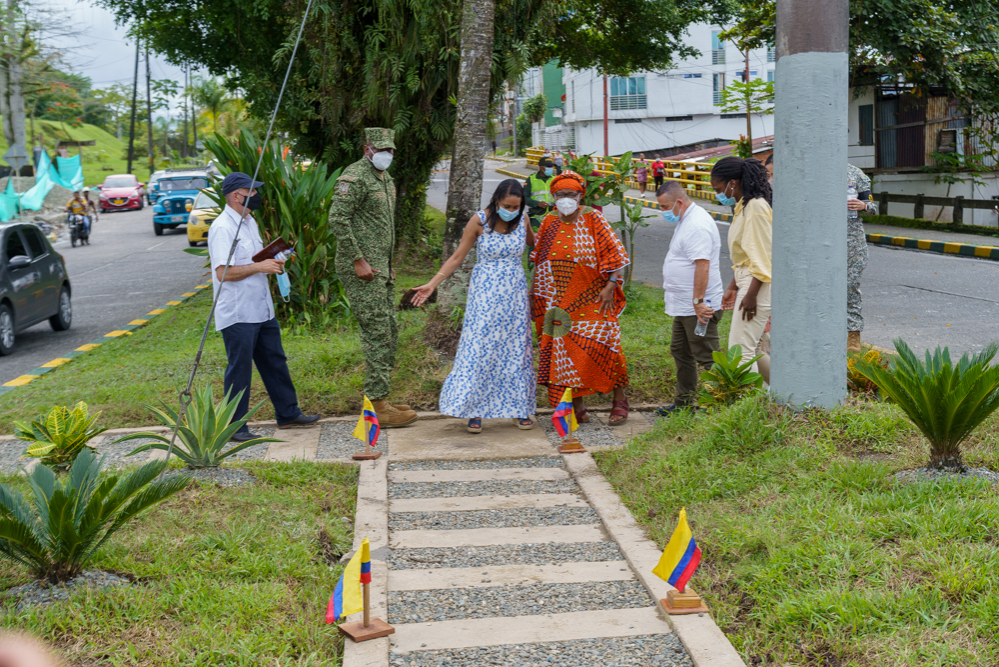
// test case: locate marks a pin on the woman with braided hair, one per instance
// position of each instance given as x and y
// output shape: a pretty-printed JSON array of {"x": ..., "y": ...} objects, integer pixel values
[{"x": 744, "y": 185}]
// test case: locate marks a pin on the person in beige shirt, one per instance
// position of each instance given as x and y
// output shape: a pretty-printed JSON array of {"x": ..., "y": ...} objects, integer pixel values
[{"x": 744, "y": 185}]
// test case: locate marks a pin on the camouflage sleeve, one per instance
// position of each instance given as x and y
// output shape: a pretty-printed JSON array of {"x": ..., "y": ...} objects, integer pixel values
[
  {"x": 346, "y": 197},
  {"x": 864, "y": 193}
]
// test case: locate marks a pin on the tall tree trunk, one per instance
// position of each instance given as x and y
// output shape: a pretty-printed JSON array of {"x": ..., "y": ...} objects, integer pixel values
[
  {"x": 135, "y": 92},
  {"x": 749, "y": 103},
  {"x": 12, "y": 93},
  {"x": 194, "y": 114},
  {"x": 149, "y": 117},
  {"x": 465, "y": 185}
]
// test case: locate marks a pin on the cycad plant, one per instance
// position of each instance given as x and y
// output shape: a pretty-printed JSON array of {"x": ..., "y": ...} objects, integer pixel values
[
  {"x": 204, "y": 432},
  {"x": 945, "y": 401},
  {"x": 58, "y": 437},
  {"x": 64, "y": 522},
  {"x": 729, "y": 379}
]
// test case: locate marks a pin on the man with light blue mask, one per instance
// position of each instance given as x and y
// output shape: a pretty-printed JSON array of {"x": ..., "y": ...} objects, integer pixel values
[
  {"x": 692, "y": 290},
  {"x": 539, "y": 200}
]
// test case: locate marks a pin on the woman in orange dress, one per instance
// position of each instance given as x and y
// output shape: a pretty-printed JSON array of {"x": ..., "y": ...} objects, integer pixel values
[{"x": 576, "y": 300}]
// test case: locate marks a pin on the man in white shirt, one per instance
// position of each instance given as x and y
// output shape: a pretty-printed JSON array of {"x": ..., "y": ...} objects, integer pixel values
[
  {"x": 245, "y": 312},
  {"x": 693, "y": 290}
]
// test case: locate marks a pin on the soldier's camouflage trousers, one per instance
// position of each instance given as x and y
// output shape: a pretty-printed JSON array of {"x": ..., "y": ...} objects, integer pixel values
[
  {"x": 373, "y": 304},
  {"x": 856, "y": 261}
]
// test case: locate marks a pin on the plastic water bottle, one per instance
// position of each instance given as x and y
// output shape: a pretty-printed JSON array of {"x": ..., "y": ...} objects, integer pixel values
[
  {"x": 851, "y": 193},
  {"x": 702, "y": 327}
]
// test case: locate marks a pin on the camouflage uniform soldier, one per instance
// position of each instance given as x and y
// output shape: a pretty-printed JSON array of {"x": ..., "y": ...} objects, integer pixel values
[
  {"x": 856, "y": 254},
  {"x": 361, "y": 217}
]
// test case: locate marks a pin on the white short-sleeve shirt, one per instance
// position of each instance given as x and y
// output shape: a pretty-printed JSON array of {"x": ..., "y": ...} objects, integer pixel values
[
  {"x": 245, "y": 301},
  {"x": 696, "y": 237}
]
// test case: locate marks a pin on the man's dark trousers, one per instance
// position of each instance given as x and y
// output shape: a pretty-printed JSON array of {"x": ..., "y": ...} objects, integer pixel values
[
  {"x": 260, "y": 344},
  {"x": 690, "y": 352}
]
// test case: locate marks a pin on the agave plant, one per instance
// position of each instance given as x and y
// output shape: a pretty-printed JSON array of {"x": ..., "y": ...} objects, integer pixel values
[
  {"x": 729, "y": 379},
  {"x": 204, "y": 432},
  {"x": 66, "y": 522},
  {"x": 57, "y": 438},
  {"x": 945, "y": 401}
]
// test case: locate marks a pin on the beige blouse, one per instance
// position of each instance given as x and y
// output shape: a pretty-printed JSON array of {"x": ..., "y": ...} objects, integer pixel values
[{"x": 750, "y": 242}]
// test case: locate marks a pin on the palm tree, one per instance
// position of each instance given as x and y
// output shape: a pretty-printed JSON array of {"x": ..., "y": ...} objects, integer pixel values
[{"x": 208, "y": 93}]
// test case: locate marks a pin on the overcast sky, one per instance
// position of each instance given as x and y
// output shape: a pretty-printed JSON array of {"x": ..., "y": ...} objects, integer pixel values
[{"x": 101, "y": 49}]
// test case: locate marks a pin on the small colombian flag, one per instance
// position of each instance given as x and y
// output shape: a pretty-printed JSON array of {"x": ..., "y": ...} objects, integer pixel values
[
  {"x": 680, "y": 557},
  {"x": 347, "y": 599},
  {"x": 367, "y": 425},
  {"x": 564, "y": 418}
]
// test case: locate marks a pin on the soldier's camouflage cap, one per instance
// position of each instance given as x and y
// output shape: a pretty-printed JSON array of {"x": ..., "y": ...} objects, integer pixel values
[{"x": 379, "y": 137}]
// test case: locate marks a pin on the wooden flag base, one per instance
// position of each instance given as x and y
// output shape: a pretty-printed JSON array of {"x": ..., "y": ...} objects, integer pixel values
[
  {"x": 688, "y": 602},
  {"x": 376, "y": 628},
  {"x": 366, "y": 456},
  {"x": 570, "y": 446}
]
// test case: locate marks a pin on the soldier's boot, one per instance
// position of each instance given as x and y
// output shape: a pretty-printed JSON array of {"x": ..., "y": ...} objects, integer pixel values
[
  {"x": 389, "y": 417},
  {"x": 401, "y": 407},
  {"x": 852, "y": 341}
]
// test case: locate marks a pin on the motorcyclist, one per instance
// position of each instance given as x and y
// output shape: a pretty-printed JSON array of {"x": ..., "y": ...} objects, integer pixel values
[
  {"x": 90, "y": 205},
  {"x": 77, "y": 206}
]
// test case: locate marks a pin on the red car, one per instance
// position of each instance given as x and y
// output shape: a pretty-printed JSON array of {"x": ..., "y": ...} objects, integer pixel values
[{"x": 121, "y": 192}]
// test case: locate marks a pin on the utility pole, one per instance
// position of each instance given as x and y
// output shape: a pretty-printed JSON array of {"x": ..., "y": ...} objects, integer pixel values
[
  {"x": 135, "y": 91},
  {"x": 606, "y": 142},
  {"x": 194, "y": 112},
  {"x": 184, "y": 152},
  {"x": 809, "y": 249},
  {"x": 749, "y": 99},
  {"x": 149, "y": 115}
]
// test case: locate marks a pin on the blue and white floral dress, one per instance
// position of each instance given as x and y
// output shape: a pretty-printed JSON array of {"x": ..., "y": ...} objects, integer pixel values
[{"x": 493, "y": 374}]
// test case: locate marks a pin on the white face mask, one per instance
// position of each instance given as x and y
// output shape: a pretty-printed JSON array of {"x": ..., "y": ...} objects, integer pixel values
[
  {"x": 567, "y": 205},
  {"x": 381, "y": 160}
]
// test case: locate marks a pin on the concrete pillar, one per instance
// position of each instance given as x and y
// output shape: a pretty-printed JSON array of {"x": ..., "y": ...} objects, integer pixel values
[{"x": 809, "y": 247}]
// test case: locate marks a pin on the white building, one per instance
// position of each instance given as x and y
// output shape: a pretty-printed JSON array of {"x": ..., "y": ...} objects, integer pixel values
[{"x": 668, "y": 112}]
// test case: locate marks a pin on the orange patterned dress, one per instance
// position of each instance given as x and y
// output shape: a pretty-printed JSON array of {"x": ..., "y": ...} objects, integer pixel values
[{"x": 580, "y": 348}]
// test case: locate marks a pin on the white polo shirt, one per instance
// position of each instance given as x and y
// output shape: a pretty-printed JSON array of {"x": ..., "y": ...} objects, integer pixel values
[
  {"x": 696, "y": 237},
  {"x": 245, "y": 301}
]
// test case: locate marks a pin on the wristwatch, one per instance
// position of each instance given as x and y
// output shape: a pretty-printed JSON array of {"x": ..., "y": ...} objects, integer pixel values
[{"x": 697, "y": 301}]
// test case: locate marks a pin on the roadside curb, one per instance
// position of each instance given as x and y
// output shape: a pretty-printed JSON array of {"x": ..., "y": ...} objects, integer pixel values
[
  {"x": 502, "y": 158},
  {"x": 940, "y": 247},
  {"x": 647, "y": 203},
  {"x": 125, "y": 330}
]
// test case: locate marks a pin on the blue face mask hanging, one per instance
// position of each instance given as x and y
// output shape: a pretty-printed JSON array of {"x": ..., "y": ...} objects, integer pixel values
[
  {"x": 284, "y": 283},
  {"x": 507, "y": 214},
  {"x": 724, "y": 199}
]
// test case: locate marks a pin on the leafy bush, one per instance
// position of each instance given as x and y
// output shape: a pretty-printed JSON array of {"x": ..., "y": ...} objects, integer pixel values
[
  {"x": 944, "y": 401},
  {"x": 59, "y": 436},
  {"x": 729, "y": 379},
  {"x": 203, "y": 434},
  {"x": 296, "y": 202},
  {"x": 856, "y": 380},
  {"x": 66, "y": 522}
]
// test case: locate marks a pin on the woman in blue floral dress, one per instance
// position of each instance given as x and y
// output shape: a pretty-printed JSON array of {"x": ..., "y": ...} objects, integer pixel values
[{"x": 493, "y": 374}]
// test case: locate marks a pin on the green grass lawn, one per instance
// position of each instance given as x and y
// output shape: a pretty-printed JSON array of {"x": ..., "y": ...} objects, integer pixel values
[
  {"x": 237, "y": 576},
  {"x": 813, "y": 553}
]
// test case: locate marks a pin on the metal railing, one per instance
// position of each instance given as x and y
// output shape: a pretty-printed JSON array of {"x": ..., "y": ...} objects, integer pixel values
[
  {"x": 626, "y": 102},
  {"x": 919, "y": 202},
  {"x": 718, "y": 57},
  {"x": 695, "y": 176}
]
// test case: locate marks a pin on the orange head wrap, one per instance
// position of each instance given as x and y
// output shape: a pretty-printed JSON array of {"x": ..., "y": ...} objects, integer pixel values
[{"x": 568, "y": 180}]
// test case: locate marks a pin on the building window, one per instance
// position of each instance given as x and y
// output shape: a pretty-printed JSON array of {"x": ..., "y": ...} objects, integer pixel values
[
  {"x": 771, "y": 55},
  {"x": 719, "y": 86},
  {"x": 627, "y": 93},
  {"x": 733, "y": 115},
  {"x": 741, "y": 74},
  {"x": 677, "y": 119},
  {"x": 570, "y": 139},
  {"x": 717, "y": 49},
  {"x": 619, "y": 121},
  {"x": 770, "y": 76},
  {"x": 691, "y": 76},
  {"x": 573, "y": 96},
  {"x": 866, "y": 124}
]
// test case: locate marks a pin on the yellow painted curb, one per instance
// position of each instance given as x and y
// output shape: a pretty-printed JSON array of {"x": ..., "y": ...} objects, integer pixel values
[
  {"x": 56, "y": 363},
  {"x": 172, "y": 303},
  {"x": 20, "y": 381},
  {"x": 202, "y": 286},
  {"x": 116, "y": 333},
  {"x": 158, "y": 311},
  {"x": 188, "y": 294},
  {"x": 138, "y": 323},
  {"x": 88, "y": 347}
]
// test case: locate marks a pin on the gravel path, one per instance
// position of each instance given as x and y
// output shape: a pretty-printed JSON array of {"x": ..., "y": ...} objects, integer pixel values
[
  {"x": 10, "y": 456},
  {"x": 494, "y": 488},
  {"x": 506, "y": 518},
  {"x": 503, "y": 554},
  {"x": 931, "y": 475},
  {"x": 590, "y": 435},
  {"x": 223, "y": 476},
  {"x": 39, "y": 593},
  {"x": 641, "y": 651},
  {"x": 461, "y": 603},
  {"x": 257, "y": 452},
  {"x": 538, "y": 462},
  {"x": 337, "y": 441},
  {"x": 117, "y": 453}
]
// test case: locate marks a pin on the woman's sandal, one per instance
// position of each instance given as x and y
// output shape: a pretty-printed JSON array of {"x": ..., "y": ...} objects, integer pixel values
[
  {"x": 620, "y": 409},
  {"x": 525, "y": 424},
  {"x": 475, "y": 425},
  {"x": 582, "y": 415}
]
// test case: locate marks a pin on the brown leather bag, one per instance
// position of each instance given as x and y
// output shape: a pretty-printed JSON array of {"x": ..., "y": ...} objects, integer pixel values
[{"x": 272, "y": 249}]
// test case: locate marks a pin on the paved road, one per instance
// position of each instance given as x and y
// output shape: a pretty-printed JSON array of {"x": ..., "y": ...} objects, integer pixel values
[
  {"x": 925, "y": 298},
  {"x": 123, "y": 274}
]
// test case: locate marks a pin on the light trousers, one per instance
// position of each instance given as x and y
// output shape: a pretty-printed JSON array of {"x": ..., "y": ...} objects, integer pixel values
[{"x": 749, "y": 333}]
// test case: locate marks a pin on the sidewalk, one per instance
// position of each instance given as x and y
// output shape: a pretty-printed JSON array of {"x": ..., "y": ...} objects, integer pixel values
[{"x": 931, "y": 240}]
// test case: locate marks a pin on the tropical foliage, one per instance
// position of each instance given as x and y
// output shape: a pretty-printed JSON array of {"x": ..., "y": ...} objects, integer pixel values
[
  {"x": 854, "y": 379},
  {"x": 65, "y": 522},
  {"x": 729, "y": 378},
  {"x": 58, "y": 437},
  {"x": 296, "y": 200},
  {"x": 203, "y": 433},
  {"x": 945, "y": 401}
]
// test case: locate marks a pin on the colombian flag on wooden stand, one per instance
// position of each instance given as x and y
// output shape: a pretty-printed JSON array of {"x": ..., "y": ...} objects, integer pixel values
[
  {"x": 564, "y": 418},
  {"x": 367, "y": 425},
  {"x": 347, "y": 599},
  {"x": 681, "y": 556}
]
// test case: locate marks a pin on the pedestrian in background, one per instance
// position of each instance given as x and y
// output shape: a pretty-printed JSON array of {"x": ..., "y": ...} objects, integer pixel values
[
  {"x": 743, "y": 184},
  {"x": 658, "y": 172},
  {"x": 559, "y": 162},
  {"x": 642, "y": 174},
  {"x": 362, "y": 219},
  {"x": 692, "y": 291},
  {"x": 244, "y": 313},
  {"x": 539, "y": 198},
  {"x": 856, "y": 251}
]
